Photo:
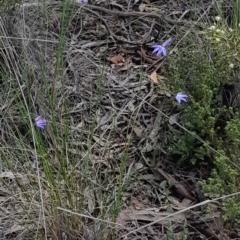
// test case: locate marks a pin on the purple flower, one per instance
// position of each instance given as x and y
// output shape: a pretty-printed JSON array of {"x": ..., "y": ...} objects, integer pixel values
[
  {"x": 82, "y": 1},
  {"x": 161, "y": 48},
  {"x": 181, "y": 97},
  {"x": 40, "y": 122}
]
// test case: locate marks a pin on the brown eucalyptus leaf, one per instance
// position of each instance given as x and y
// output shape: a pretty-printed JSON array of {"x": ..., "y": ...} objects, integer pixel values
[
  {"x": 153, "y": 77},
  {"x": 180, "y": 189},
  {"x": 116, "y": 59}
]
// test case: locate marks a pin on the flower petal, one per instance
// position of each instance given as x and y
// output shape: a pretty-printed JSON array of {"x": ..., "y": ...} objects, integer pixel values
[
  {"x": 160, "y": 50},
  {"x": 178, "y": 99},
  {"x": 164, "y": 51},
  {"x": 155, "y": 50},
  {"x": 44, "y": 122},
  {"x": 183, "y": 95},
  {"x": 37, "y": 118},
  {"x": 166, "y": 42},
  {"x": 156, "y": 46},
  {"x": 183, "y": 99}
]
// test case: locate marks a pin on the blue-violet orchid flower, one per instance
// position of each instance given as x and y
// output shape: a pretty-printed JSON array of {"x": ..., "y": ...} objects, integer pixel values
[
  {"x": 158, "y": 49},
  {"x": 181, "y": 97},
  {"x": 40, "y": 122}
]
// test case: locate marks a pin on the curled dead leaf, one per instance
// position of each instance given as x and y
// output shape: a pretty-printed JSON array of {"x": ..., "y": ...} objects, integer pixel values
[
  {"x": 173, "y": 119},
  {"x": 116, "y": 59},
  {"x": 153, "y": 77},
  {"x": 127, "y": 64},
  {"x": 179, "y": 188}
]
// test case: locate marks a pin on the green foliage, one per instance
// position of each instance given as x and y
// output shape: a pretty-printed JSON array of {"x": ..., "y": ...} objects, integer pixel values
[
  {"x": 199, "y": 115},
  {"x": 185, "y": 147},
  {"x": 209, "y": 67},
  {"x": 232, "y": 210},
  {"x": 171, "y": 235}
]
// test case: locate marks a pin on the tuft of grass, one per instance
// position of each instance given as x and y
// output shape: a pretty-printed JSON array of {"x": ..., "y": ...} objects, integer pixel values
[{"x": 55, "y": 169}]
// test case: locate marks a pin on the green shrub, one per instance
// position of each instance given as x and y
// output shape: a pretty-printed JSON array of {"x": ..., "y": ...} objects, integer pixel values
[{"x": 209, "y": 67}]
